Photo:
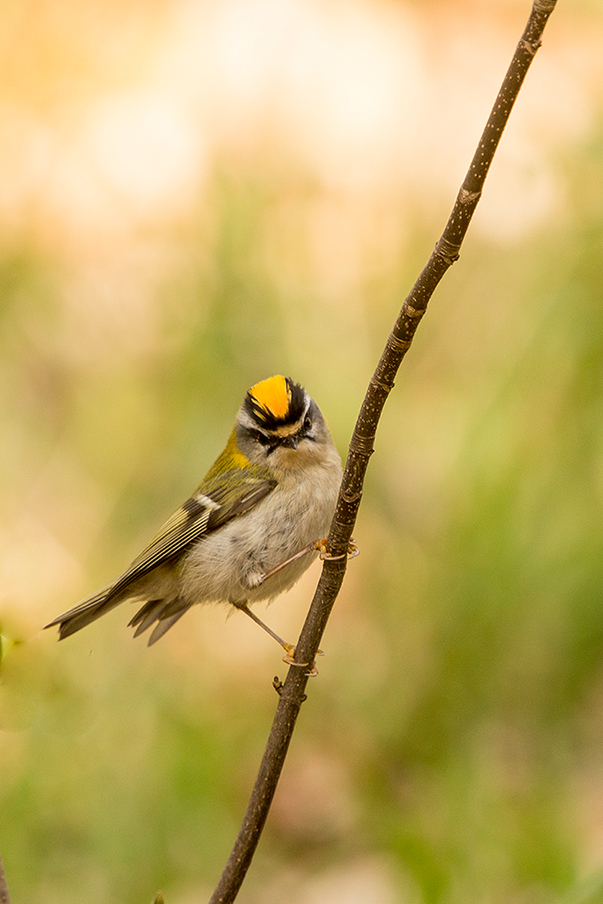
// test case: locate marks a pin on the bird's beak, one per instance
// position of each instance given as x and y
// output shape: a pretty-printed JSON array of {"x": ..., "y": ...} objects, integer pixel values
[{"x": 290, "y": 441}]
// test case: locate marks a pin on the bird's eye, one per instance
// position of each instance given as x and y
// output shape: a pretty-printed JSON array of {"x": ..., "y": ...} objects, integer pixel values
[
  {"x": 262, "y": 439},
  {"x": 307, "y": 424}
]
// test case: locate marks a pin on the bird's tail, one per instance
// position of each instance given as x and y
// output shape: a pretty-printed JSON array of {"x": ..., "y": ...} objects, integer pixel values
[
  {"x": 85, "y": 612},
  {"x": 164, "y": 612}
]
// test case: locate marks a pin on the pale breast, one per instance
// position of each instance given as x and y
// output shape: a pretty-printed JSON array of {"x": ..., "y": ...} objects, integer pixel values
[{"x": 295, "y": 514}]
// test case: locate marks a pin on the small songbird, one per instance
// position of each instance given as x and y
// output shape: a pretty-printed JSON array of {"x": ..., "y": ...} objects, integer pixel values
[{"x": 251, "y": 528}]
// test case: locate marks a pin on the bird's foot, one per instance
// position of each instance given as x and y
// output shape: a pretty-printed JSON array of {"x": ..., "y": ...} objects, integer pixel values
[
  {"x": 321, "y": 547},
  {"x": 289, "y": 659}
]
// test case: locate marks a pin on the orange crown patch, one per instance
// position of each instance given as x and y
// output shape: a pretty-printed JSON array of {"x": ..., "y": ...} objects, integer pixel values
[{"x": 273, "y": 396}]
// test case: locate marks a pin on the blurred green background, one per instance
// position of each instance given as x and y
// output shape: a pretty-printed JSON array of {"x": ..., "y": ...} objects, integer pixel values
[{"x": 193, "y": 197}]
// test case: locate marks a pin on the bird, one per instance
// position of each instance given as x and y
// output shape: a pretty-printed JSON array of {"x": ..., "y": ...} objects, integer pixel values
[{"x": 248, "y": 532}]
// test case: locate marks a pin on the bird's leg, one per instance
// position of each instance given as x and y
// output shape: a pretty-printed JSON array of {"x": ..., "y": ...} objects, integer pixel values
[
  {"x": 256, "y": 580},
  {"x": 320, "y": 546},
  {"x": 243, "y": 607},
  {"x": 289, "y": 648}
]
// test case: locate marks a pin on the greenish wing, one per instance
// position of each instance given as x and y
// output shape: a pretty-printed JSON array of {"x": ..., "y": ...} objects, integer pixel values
[{"x": 214, "y": 504}]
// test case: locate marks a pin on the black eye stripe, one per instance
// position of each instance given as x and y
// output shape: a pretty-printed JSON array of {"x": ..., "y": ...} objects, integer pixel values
[{"x": 270, "y": 442}]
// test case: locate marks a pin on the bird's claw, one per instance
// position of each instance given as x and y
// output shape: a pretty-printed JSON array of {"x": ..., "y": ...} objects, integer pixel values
[
  {"x": 289, "y": 660},
  {"x": 321, "y": 547}
]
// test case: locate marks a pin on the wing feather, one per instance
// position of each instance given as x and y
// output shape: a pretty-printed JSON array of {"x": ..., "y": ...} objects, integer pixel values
[
  {"x": 215, "y": 503},
  {"x": 203, "y": 513}
]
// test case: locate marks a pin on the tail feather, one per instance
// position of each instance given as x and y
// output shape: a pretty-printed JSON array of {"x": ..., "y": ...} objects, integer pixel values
[
  {"x": 164, "y": 612},
  {"x": 164, "y": 624},
  {"x": 84, "y": 613},
  {"x": 146, "y": 615}
]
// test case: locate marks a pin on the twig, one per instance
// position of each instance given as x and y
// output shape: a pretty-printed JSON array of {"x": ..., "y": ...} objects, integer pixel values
[
  {"x": 4, "y": 895},
  {"x": 361, "y": 447}
]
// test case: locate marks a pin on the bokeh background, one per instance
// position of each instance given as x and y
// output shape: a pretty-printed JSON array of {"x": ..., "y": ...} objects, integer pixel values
[{"x": 193, "y": 196}]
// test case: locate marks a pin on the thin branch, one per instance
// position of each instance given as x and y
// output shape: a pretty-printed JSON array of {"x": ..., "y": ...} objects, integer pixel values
[
  {"x": 446, "y": 252},
  {"x": 4, "y": 895}
]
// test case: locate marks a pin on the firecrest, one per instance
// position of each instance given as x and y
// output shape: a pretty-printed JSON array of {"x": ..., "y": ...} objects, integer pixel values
[{"x": 251, "y": 528}]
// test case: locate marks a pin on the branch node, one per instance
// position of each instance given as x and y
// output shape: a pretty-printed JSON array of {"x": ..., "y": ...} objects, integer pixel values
[
  {"x": 340, "y": 527},
  {"x": 350, "y": 496},
  {"x": 545, "y": 6},
  {"x": 386, "y": 385},
  {"x": 466, "y": 197},
  {"x": 362, "y": 445},
  {"x": 398, "y": 345},
  {"x": 448, "y": 251},
  {"x": 411, "y": 312},
  {"x": 530, "y": 48}
]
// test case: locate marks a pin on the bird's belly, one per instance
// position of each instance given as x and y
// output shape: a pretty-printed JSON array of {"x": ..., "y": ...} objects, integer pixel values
[{"x": 223, "y": 565}]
